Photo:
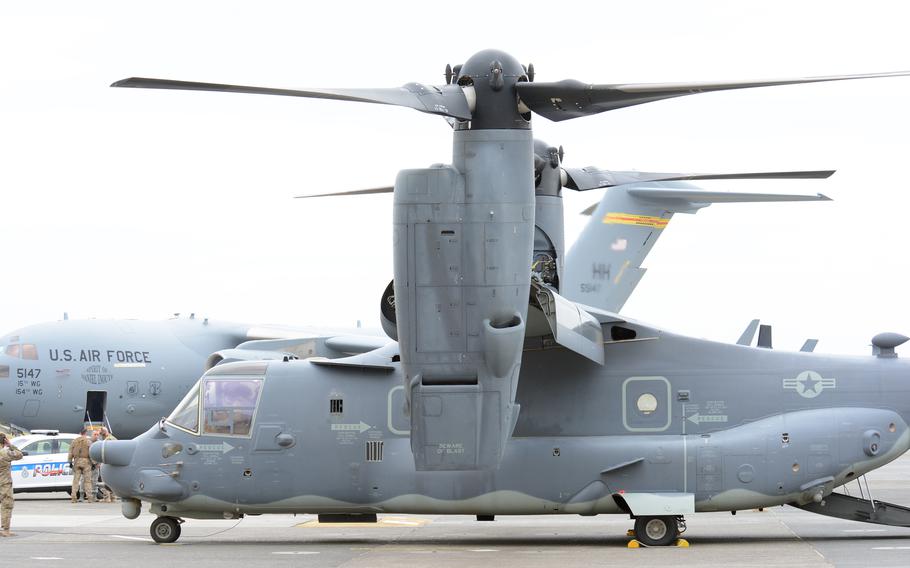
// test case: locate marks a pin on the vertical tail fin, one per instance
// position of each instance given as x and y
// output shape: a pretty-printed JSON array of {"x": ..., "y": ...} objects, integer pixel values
[{"x": 603, "y": 267}]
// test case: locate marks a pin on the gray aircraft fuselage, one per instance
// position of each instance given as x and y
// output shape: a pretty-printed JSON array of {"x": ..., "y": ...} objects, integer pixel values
[
  {"x": 503, "y": 397},
  {"x": 133, "y": 371},
  {"x": 735, "y": 426}
]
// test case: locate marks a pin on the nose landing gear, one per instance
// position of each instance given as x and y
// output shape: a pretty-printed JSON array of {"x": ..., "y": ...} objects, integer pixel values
[{"x": 165, "y": 529}]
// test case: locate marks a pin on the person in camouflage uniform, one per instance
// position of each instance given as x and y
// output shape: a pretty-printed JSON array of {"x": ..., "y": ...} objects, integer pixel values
[
  {"x": 97, "y": 484},
  {"x": 105, "y": 435},
  {"x": 82, "y": 467},
  {"x": 8, "y": 454}
]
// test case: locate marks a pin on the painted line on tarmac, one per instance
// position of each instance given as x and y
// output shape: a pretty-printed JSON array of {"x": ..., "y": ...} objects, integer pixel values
[
  {"x": 295, "y": 552},
  {"x": 45, "y": 558},
  {"x": 863, "y": 530},
  {"x": 891, "y": 548},
  {"x": 131, "y": 537}
]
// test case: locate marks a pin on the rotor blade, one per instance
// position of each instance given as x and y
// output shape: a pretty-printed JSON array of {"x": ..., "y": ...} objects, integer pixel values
[
  {"x": 700, "y": 196},
  {"x": 352, "y": 192},
  {"x": 562, "y": 100},
  {"x": 448, "y": 100},
  {"x": 689, "y": 200},
  {"x": 583, "y": 179}
]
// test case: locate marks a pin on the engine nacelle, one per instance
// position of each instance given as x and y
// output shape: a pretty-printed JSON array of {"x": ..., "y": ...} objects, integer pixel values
[
  {"x": 387, "y": 312},
  {"x": 462, "y": 239}
]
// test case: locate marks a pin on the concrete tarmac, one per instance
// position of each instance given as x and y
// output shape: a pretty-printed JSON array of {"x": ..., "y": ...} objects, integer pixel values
[{"x": 52, "y": 531}]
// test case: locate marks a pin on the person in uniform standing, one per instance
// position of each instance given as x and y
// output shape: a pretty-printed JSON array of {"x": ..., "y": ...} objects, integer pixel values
[
  {"x": 82, "y": 467},
  {"x": 97, "y": 484},
  {"x": 8, "y": 454}
]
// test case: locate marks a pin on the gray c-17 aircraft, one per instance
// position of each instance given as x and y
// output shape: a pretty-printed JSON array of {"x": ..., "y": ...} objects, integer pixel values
[
  {"x": 126, "y": 374},
  {"x": 502, "y": 396}
]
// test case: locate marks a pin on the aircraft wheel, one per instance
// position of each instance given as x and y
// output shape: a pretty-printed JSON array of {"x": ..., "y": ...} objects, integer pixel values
[
  {"x": 165, "y": 530},
  {"x": 656, "y": 531}
]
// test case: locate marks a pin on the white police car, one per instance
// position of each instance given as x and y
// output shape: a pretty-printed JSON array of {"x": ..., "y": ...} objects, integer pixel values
[{"x": 45, "y": 466}]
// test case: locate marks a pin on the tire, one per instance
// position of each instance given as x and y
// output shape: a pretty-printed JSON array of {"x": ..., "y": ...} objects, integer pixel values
[
  {"x": 656, "y": 531},
  {"x": 165, "y": 530}
]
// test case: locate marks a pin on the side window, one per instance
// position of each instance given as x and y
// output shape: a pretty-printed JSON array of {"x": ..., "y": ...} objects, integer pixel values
[
  {"x": 12, "y": 350},
  {"x": 229, "y": 405},
  {"x": 63, "y": 446},
  {"x": 4, "y": 371},
  {"x": 29, "y": 351},
  {"x": 39, "y": 448},
  {"x": 186, "y": 415}
]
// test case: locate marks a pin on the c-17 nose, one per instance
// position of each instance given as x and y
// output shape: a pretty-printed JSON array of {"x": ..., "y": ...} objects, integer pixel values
[{"x": 113, "y": 452}]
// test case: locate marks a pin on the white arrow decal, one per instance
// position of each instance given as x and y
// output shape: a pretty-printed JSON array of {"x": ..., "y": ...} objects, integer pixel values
[
  {"x": 700, "y": 418},
  {"x": 361, "y": 428},
  {"x": 223, "y": 447}
]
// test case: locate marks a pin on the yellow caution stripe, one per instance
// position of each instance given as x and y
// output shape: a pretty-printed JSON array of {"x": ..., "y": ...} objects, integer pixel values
[{"x": 638, "y": 220}]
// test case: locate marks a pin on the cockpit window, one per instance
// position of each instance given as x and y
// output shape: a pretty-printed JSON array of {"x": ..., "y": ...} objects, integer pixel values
[
  {"x": 23, "y": 351},
  {"x": 186, "y": 415},
  {"x": 229, "y": 405}
]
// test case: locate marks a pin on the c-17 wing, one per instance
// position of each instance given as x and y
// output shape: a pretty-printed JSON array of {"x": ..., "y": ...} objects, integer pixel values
[{"x": 305, "y": 347}]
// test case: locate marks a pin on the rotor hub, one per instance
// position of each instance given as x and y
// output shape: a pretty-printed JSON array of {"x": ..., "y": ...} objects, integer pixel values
[{"x": 493, "y": 75}]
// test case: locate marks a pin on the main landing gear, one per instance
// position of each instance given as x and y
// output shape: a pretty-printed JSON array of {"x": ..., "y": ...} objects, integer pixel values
[
  {"x": 659, "y": 531},
  {"x": 165, "y": 529}
]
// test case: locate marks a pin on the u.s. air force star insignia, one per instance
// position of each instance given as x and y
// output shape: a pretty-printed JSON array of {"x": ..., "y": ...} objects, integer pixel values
[{"x": 809, "y": 384}]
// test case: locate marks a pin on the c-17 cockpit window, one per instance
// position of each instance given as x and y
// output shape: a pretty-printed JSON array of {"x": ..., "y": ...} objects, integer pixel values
[
  {"x": 23, "y": 351},
  {"x": 186, "y": 415},
  {"x": 229, "y": 405}
]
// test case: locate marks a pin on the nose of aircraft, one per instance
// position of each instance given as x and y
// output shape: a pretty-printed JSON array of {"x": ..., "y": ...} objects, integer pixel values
[{"x": 113, "y": 452}]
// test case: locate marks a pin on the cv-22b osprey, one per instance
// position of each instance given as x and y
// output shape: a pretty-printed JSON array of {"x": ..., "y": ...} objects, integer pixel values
[{"x": 502, "y": 396}]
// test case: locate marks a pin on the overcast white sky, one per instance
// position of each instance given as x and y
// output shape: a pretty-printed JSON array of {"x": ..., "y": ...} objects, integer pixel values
[{"x": 131, "y": 203}]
